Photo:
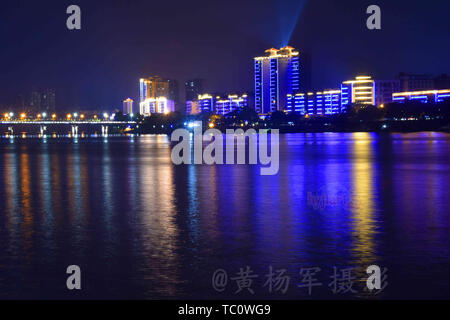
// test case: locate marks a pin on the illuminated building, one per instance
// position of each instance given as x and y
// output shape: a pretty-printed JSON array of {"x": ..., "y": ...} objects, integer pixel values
[
  {"x": 194, "y": 88},
  {"x": 384, "y": 90},
  {"x": 358, "y": 91},
  {"x": 442, "y": 82},
  {"x": 276, "y": 75},
  {"x": 128, "y": 106},
  {"x": 318, "y": 103},
  {"x": 156, "y": 105},
  {"x": 425, "y": 96},
  {"x": 205, "y": 102},
  {"x": 35, "y": 101},
  {"x": 153, "y": 87},
  {"x": 231, "y": 103}
]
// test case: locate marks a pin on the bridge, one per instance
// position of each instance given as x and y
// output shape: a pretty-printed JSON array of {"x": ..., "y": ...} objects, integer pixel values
[{"x": 74, "y": 127}]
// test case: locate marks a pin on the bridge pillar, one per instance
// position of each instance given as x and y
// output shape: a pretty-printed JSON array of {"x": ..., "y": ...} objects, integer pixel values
[
  {"x": 11, "y": 130},
  {"x": 104, "y": 130},
  {"x": 42, "y": 129},
  {"x": 74, "y": 130}
]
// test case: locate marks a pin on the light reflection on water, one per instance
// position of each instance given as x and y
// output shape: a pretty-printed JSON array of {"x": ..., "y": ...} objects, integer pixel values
[{"x": 140, "y": 227}]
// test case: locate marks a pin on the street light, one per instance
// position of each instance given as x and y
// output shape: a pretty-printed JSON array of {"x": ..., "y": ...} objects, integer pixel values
[
  {"x": 23, "y": 116},
  {"x": 44, "y": 114},
  {"x": 105, "y": 115},
  {"x": 69, "y": 116},
  {"x": 53, "y": 116}
]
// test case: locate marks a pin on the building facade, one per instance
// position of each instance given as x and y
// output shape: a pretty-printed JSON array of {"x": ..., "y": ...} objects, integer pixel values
[
  {"x": 415, "y": 82},
  {"x": 192, "y": 107},
  {"x": 277, "y": 74},
  {"x": 384, "y": 90},
  {"x": 156, "y": 105},
  {"x": 230, "y": 103},
  {"x": 153, "y": 87},
  {"x": 425, "y": 96},
  {"x": 325, "y": 102}
]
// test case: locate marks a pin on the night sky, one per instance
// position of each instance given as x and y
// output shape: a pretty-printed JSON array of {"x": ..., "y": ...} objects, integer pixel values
[{"x": 123, "y": 40}]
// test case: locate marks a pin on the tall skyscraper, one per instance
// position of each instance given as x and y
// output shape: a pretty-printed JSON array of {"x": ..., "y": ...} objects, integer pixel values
[
  {"x": 277, "y": 74},
  {"x": 128, "y": 106},
  {"x": 194, "y": 88},
  {"x": 153, "y": 87}
]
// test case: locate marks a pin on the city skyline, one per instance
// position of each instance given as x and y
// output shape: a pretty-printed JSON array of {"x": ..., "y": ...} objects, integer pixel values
[{"x": 69, "y": 58}]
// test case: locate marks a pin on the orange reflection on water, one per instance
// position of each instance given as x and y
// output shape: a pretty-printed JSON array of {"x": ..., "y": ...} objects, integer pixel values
[
  {"x": 363, "y": 207},
  {"x": 26, "y": 204},
  {"x": 157, "y": 201}
]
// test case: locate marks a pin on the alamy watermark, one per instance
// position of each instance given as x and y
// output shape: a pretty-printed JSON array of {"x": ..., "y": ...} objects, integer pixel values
[{"x": 235, "y": 147}]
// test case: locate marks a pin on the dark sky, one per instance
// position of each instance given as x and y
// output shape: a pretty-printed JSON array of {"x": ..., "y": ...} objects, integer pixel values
[{"x": 123, "y": 40}]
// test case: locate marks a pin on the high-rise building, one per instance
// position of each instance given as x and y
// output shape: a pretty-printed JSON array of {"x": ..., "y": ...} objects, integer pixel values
[
  {"x": 154, "y": 95},
  {"x": 277, "y": 74},
  {"x": 206, "y": 103},
  {"x": 153, "y": 87},
  {"x": 194, "y": 88},
  {"x": 128, "y": 106},
  {"x": 358, "y": 91},
  {"x": 192, "y": 107}
]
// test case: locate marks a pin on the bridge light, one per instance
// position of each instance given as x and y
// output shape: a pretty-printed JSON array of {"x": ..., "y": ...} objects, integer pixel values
[
  {"x": 53, "y": 116},
  {"x": 82, "y": 116},
  {"x": 11, "y": 114},
  {"x": 39, "y": 116},
  {"x": 95, "y": 116},
  {"x": 75, "y": 114},
  {"x": 69, "y": 116},
  {"x": 44, "y": 114},
  {"x": 105, "y": 115},
  {"x": 23, "y": 115}
]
